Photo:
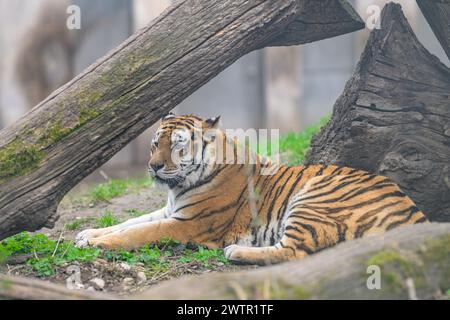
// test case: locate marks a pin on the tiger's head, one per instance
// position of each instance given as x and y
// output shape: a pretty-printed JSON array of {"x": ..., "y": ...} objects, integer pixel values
[{"x": 182, "y": 149}]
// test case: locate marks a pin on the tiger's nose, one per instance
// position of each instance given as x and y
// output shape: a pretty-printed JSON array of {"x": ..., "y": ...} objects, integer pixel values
[{"x": 156, "y": 167}]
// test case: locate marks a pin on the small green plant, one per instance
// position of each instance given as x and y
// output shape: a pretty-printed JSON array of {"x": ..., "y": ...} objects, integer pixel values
[
  {"x": 107, "y": 219},
  {"x": 77, "y": 223},
  {"x": 204, "y": 256},
  {"x": 150, "y": 256},
  {"x": 295, "y": 145},
  {"x": 116, "y": 188},
  {"x": 46, "y": 253}
]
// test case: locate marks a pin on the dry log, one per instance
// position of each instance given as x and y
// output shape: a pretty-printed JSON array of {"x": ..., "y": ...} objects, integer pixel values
[
  {"x": 30, "y": 289},
  {"x": 84, "y": 123},
  {"x": 393, "y": 117},
  {"x": 437, "y": 13},
  {"x": 420, "y": 253}
]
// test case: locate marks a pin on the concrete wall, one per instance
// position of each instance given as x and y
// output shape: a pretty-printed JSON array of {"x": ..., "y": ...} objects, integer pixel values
[{"x": 15, "y": 18}]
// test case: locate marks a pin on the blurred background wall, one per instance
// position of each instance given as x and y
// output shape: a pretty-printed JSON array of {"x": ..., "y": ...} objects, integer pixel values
[{"x": 286, "y": 88}]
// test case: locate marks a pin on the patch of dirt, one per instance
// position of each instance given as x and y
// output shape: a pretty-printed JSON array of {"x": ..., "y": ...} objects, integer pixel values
[{"x": 118, "y": 277}]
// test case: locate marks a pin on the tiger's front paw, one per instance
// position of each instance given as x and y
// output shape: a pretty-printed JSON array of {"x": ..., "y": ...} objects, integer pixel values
[
  {"x": 84, "y": 238},
  {"x": 101, "y": 243},
  {"x": 234, "y": 253}
]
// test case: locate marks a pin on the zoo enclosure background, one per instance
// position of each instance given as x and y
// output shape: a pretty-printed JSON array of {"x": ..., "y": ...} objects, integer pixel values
[{"x": 286, "y": 88}]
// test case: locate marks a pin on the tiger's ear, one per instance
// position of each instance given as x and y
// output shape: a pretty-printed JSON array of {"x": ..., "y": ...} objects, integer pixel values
[
  {"x": 168, "y": 116},
  {"x": 213, "y": 123}
]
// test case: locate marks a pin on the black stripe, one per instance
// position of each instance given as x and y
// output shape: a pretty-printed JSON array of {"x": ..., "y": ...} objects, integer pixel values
[
  {"x": 272, "y": 205},
  {"x": 283, "y": 206},
  {"x": 302, "y": 246},
  {"x": 195, "y": 203},
  {"x": 334, "y": 173},
  {"x": 371, "y": 188},
  {"x": 403, "y": 221},
  {"x": 273, "y": 186},
  {"x": 341, "y": 230},
  {"x": 319, "y": 173},
  {"x": 375, "y": 211},
  {"x": 355, "y": 206},
  {"x": 201, "y": 182},
  {"x": 310, "y": 218},
  {"x": 310, "y": 229},
  {"x": 364, "y": 227},
  {"x": 291, "y": 236},
  {"x": 422, "y": 219},
  {"x": 286, "y": 247},
  {"x": 411, "y": 210},
  {"x": 336, "y": 188},
  {"x": 354, "y": 193}
]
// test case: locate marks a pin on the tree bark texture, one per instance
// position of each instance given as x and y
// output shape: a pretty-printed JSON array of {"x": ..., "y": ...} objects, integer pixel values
[
  {"x": 437, "y": 13},
  {"x": 31, "y": 289},
  {"x": 393, "y": 117},
  {"x": 84, "y": 123}
]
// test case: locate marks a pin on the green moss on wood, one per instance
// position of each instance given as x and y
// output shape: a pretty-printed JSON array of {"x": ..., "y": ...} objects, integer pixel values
[
  {"x": 385, "y": 257},
  {"x": 54, "y": 133},
  {"x": 396, "y": 268},
  {"x": 18, "y": 158},
  {"x": 5, "y": 284},
  {"x": 86, "y": 115},
  {"x": 436, "y": 255},
  {"x": 276, "y": 290}
]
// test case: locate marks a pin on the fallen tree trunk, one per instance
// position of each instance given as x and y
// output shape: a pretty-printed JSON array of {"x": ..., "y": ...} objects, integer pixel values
[
  {"x": 31, "y": 289},
  {"x": 420, "y": 253},
  {"x": 393, "y": 117},
  {"x": 84, "y": 123},
  {"x": 437, "y": 13}
]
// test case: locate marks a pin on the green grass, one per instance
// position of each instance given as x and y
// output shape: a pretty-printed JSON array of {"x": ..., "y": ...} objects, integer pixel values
[
  {"x": 46, "y": 254},
  {"x": 116, "y": 188},
  {"x": 107, "y": 219},
  {"x": 203, "y": 255},
  {"x": 295, "y": 145},
  {"x": 77, "y": 223}
]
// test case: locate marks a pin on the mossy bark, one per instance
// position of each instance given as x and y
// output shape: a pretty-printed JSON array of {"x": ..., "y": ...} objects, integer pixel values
[{"x": 84, "y": 123}]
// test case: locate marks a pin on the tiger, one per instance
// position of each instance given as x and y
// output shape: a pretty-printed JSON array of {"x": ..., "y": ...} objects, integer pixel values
[{"x": 258, "y": 218}]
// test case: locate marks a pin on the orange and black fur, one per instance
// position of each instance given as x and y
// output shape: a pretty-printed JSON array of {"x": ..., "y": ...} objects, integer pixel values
[{"x": 257, "y": 218}]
